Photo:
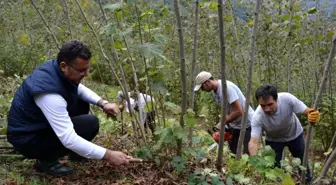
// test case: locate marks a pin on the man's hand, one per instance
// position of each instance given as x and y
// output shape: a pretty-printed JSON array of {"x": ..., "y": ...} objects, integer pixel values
[
  {"x": 253, "y": 145},
  {"x": 111, "y": 109},
  {"x": 313, "y": 116},
  {"x": 121, "y": 106},
  {"x": 116, "y": 158}
]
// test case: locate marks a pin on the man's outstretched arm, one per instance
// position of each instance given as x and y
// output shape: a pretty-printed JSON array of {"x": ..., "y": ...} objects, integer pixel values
[{"x": 253, "y": 145}]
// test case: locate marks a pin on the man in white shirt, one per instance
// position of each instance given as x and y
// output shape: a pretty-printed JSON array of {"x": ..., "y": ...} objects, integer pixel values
[
  {"x": 49, "y": 118},
  {"x": 236, "y": 104},
  {"x": 140, "y": 103},
  {"x": 276, "y": 115}
]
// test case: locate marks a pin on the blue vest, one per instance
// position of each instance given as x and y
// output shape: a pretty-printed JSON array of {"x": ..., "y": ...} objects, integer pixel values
[{"x": 25, "y": 117}]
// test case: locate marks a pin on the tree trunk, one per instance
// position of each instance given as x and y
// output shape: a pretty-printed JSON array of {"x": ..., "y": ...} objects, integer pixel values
[
  {"x": 289, "y": 46},
  {"x": 193, "y": 64},
  {"x": 183, "y": 73},
  {"x": 224, "y": 87},
  {"x": 327, "y": 165},
  {"x": 310, "y": 128},
  {"x": 249, "y": 83},
  {"x": 145, "y": 64}
]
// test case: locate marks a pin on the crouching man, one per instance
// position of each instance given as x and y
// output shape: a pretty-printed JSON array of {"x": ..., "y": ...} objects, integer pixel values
[{"x": 49, "y": 118}]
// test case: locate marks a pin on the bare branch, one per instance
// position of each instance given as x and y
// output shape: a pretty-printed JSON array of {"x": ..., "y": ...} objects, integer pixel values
[
  {"x": 224, "y": 87},
  {"x": 249, "y": 83},
  {"x": 317, "y": 99},
  {"x": 46, "y": 24}
]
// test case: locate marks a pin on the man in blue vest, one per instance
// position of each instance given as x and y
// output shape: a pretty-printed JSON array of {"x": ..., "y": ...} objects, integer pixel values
[{"x": 49, "y": 118}]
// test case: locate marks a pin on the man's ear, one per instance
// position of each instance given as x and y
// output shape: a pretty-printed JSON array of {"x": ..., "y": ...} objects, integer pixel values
[{"x": 63, "y": 66}]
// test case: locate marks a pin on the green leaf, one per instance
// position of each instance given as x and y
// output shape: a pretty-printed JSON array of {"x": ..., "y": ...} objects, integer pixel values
[
  {"x": 114, "y": 6},
  {"x": 297, "y": 18},
  {"x": 149, "y": 50},
  {"x": 229, "y": 181},
  {"x": 228, "y": 18},
  {"x": 213, "y": 6},
  {"x": 146, "y": 13},
  {"x": 296, "y": 161},
  {"x": 3, "y": 131},
  {"x": 270, "y": 174},
  {"x": 157, "y": 162},
  {"x": 286, "y": 17},
  {"x": 159, "y": 131},
  {"x": 269, "y": 159},
  {"x": 119, "y": 15},
  {"x": 117, "y": 44},
  {"x": 317, "y": 165},
  {"x": 110, "y": 29},
  {"x": 171, "y": 105},
  {"x": 320, "y": 37},
  {"x": 288, "y": 180},
  {"x": 189, "y": 118},
  {"x": 289, "y": 168},
  {"x": 159, "y": 87},
  {"x": 23, "y": 39},
  {"x": 162, "y": 39},
  {"x": 312, "y": 10},
  {"x": 240, "y": 178},
  {"x": 196, "y": 140},
  {"x": 149, "y": 107},
  {"x": 200, "y": 154},
  {"x": 330, "y": 34},
  {"x": 328, "y": 152},
  {"x": 178, "y": 163},
  {"x": 296, "y": 26},
  {"x": 178, "y": 132}
]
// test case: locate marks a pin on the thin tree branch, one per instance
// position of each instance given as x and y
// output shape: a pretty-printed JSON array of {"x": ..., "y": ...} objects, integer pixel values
[
  {"x": 249, "y": 83},
  {"x": 124, "y": 87},
  {"x": 46, "y": 24},
  {"x": 68, "y": 17},
  {"x": 224, "y": 87},
  {"x": 310, "y": 127},
  {"x": 183, "y": 73},
  {"x": 193, "y": 64}
]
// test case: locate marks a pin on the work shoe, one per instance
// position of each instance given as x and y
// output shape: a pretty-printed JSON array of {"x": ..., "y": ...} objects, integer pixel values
[{"x": 52, "y": 167}]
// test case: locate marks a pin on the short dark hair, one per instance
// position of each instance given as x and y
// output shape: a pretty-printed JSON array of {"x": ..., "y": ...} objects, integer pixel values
[
  {"x": 266, "y": 91},
  {"x": 72, "y": 50}
]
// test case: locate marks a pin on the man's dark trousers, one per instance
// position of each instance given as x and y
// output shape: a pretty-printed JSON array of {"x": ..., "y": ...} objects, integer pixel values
[
  {"x": 233, "y": 143},
  {"x": 296, "y": 147},
  {"x": 46, "y": 146}
]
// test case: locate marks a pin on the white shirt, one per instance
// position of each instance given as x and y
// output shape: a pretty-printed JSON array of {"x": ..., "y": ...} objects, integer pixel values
[
  {"x": 143, "y": 99},
  {"x": 283, "y": 125},
  {"x": 233, "y": 94},
  {"x": 54, "y": 109}
]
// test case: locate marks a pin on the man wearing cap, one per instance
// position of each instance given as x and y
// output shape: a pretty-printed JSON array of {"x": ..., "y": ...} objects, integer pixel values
[{"x": 236, "y": 104}]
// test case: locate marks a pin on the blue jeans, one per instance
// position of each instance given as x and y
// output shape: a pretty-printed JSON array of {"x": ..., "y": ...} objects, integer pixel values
[{"x": 296, "y": 147}]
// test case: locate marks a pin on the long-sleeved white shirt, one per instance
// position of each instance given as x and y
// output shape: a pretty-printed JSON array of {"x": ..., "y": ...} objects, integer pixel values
[{"x": 54, "y": 109}]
